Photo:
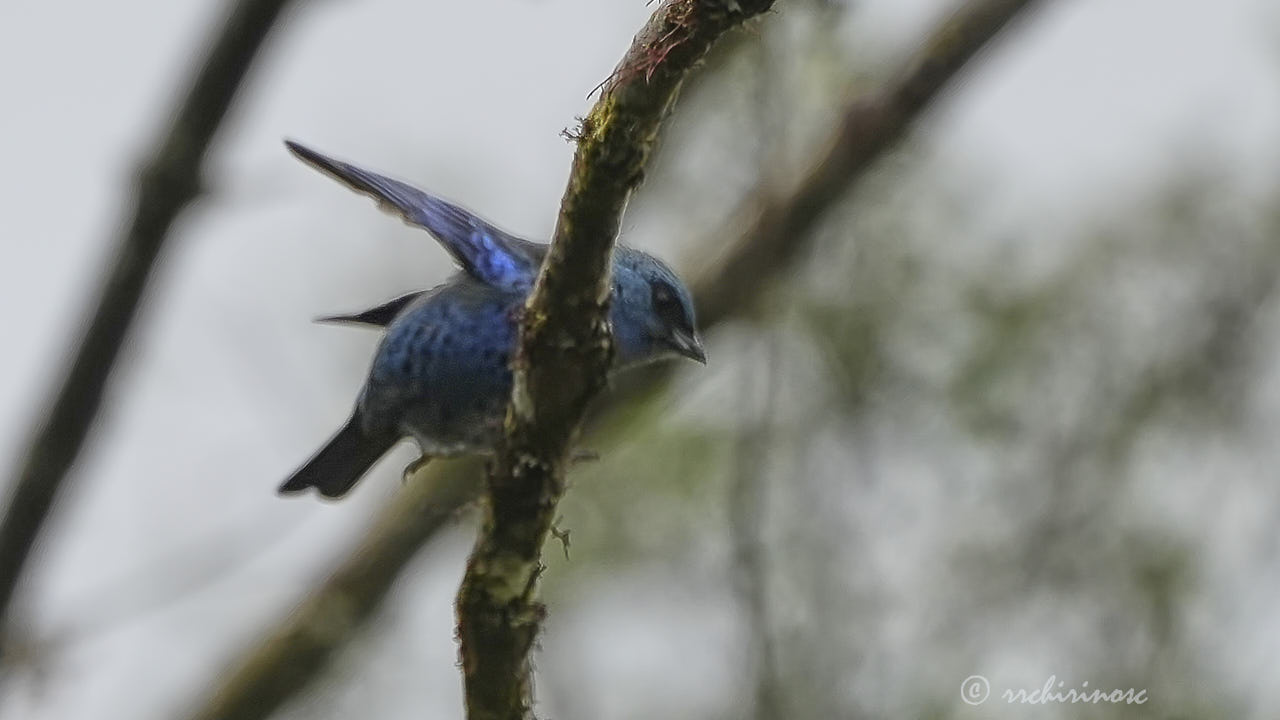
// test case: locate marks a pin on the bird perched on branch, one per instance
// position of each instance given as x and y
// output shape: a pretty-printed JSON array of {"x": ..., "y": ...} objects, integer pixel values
[{"x": 442, "y": 372}]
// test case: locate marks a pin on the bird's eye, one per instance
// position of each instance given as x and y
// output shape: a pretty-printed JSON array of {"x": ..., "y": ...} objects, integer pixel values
[{"x": 667, "y": 305}]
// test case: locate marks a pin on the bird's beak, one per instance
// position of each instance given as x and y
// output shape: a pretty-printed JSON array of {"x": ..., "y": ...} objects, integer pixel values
[{"x": 689, "y": 345}]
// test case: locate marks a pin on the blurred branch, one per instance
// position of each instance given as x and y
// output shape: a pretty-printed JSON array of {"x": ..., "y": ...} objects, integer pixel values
[
  {"x": 1201, "y": 377},
  {"x": 777, "y": 222},
  {"x": 396, "y": 536},
  {"x": 565, "y": 351},
  {"x": 748, "y": 509},
  {"x": 167, "y": 182},
  {"x": 304, "y": 642}
]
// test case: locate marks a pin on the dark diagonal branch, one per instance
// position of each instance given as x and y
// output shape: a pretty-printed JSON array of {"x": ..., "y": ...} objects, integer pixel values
[
  {"x": 779, "y": 222},
  {"x": 564, "y": 352},
  {"x": 302, "y": 644},
  {"x": 758, "y": 251},
  {"x": 167, "y": 182}
]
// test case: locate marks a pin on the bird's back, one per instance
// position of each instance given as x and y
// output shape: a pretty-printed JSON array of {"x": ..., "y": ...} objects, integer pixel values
[{"x": 442, "y": 371}]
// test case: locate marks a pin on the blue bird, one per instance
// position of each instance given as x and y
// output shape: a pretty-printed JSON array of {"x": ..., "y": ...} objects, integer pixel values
[{"x": 442, "y": 373}]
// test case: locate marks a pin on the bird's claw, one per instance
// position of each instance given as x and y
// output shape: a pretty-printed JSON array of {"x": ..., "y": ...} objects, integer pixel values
[
  {"x": 412, "y": 468},
  {"x": 562, "y": 535}
]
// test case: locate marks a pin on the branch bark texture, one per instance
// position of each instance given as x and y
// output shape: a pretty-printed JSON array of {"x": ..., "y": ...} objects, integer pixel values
[
  {"x": 768, "y": 232},
  {"x": 565, "y": 351},
  {"x": 167, "y": 182}
]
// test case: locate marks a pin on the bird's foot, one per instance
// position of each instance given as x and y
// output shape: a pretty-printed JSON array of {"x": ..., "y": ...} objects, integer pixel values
[
  {"x": 412, "y": 468},
  {"x": 561, "y": 534}
]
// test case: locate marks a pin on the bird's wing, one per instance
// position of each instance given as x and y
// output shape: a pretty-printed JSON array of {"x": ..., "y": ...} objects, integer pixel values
[
  {"x": 380, "y": 316},
  {"x": 485, "y": 252}
]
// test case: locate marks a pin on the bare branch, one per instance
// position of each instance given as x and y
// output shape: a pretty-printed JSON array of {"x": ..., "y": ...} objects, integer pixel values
[
  {"x": 565, "y": 350},
  {"x": 748, "y": 512},
  {"x": 777, "y": 224},
  {"x": 720, "y": 294},
  {"x": 167, "y": 182},
  {"x": 304, "y": 642}
]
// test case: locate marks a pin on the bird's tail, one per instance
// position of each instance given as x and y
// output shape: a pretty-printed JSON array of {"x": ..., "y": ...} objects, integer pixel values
[{"x": 340, "y": 464}]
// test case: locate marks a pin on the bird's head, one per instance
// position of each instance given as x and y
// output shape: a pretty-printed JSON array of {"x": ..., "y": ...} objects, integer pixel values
[{"x": 652, "y": 312}]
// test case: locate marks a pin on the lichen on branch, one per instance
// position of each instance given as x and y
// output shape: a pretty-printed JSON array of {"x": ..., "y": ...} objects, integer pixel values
[{"x": 565, "y": 349}]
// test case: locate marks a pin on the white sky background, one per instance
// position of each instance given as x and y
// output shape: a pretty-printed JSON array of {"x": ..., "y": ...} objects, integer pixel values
[{"x": 230, "y": 384}]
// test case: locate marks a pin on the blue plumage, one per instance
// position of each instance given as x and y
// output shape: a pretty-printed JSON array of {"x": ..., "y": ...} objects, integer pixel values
[
  {"x": 488, "y": 254},
  {"x": 441, "y": 374}
]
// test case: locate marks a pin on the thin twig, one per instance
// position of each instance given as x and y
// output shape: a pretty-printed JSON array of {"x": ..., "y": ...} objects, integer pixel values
[
  {"x": 748, "y": 510},
  {"x": 167, "y": 182}
]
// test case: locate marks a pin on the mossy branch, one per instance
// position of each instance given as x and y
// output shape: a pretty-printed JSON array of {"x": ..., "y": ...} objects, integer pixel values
[{"x": 565, "y": 350}]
